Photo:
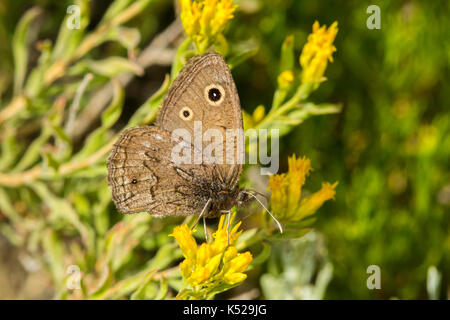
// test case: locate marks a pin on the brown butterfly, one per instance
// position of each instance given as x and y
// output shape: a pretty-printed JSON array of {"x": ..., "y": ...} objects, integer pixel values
[{"x": 141, "y": 171}]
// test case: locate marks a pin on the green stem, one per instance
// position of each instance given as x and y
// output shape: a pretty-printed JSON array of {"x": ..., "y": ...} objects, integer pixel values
[
  {"x": 178, "y": 61},
  {"x": 302, "y": 93},
  {"x": 278, "y": 98}
]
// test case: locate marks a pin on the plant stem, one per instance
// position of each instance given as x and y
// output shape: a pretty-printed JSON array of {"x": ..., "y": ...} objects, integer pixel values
[{"x": 302, "y": 93}]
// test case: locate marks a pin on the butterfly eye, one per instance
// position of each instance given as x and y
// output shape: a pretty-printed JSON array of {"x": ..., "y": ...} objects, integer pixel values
[
  {"x": 186, "y": 113},
  {"x": 214, "y": 94},
  {"x": 134, "y": 181}
]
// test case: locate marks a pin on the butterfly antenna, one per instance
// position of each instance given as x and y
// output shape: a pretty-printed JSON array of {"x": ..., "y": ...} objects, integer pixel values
[
  {"x": 258, "y": 193},
  {"x": 270, "y": 213}
]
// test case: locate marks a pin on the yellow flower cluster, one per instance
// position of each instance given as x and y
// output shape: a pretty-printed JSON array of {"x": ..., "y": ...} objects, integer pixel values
[
  {"x": 212, "y": 264},
  {"x": 286, "y": 192},
  {"x": 317, "y": 52},
  {"x": 204, "y": 20}
]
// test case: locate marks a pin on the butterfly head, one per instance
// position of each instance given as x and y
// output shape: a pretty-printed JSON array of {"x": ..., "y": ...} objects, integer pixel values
[{"x": 222, "y": 199}]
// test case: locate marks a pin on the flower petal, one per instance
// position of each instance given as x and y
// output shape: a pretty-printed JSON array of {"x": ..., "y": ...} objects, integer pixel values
[{"x": 185, "y": 240}]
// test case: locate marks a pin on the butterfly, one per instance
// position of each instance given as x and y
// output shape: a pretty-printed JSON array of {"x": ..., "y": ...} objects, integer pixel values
[{"x": 142, "y": 173}]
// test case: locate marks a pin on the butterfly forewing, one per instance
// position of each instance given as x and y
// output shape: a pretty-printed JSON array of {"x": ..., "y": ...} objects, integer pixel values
[{"x": 204, "y": 98}]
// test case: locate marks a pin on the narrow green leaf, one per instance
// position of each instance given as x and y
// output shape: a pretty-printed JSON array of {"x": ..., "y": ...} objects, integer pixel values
[
  {"x": 54, "y": 252},
  {"x": 10, "y": 234},
  {"x": 81, "y": 204},
  {"x": 263, "y": 255},
  {"x": 32, "y": 154},
  {"x": 106, "y": 279},
  {"x": 9, "y": 147},
  {"x": 163, "y": 289},
  {"x": 247, "y": 238},
  {"x": 146, "y": 284},
  {"x": 69, "y": 39},
  {"x": 60, "y": 134},
  {"x": 248, "y": 50},
  {"x": 50, "y": 161},
  {"x": 175, "y": 283},
  {"x": 111, "y": 67},
  {"x": 34, "y": 82},
  {"x": 20, "y": 44},
  {"x": 180, "y": 58},
  {"x": 127, "y": 37},
  {"x": 114, "y": 110},
  {"x": 7, "y": 208},
  {"x": 100, "y": 210},
  {"x": 165, "y": 255},
  {"x": 94, "y": 142},
  {"x": 100, "y": 136},
  {"x": 61, "y": 209},
  {"x": 114, "y": 9},
  {"x": 287, "y": 54}
]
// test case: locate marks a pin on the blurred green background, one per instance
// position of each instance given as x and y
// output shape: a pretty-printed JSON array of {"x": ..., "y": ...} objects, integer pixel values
[{"x": 389, "y": 148}]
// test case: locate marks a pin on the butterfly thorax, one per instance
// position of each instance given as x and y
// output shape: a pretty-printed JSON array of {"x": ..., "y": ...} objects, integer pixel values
[{"x": 223, "y": 198}]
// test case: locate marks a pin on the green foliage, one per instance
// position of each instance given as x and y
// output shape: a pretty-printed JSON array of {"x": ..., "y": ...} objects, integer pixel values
[
  {"x": 389, "y": 147},
  {"x": 298, "y": 270}
]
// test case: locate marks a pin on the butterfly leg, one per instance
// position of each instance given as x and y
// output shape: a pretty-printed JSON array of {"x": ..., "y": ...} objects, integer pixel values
[
  {"x": 270, "y": 213},
  {"x": 202, "y": 214},
  {"x": 228, "y": 227},
  {"x": 204, "y": 229},
  {"x": 228, "y": 212}
]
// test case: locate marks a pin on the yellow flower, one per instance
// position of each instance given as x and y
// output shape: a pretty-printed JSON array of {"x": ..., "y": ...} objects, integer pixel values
[
  {"x": 298, "y": 170},
  {"x": 259, "y": 113},
  {"x": 212, "y": 265},
  {"x": 205, "y": 20},
  {"x": 286, "y": 192},
  {"x": 285, "y": 79},
  {"x": 251, "y": 120},
  {"x": 235, "y": 267},
  {"x": 313, "y": 202},
  {"x": 187, "y": 243},
  {"x": 317, "y": 52},
  {"x": 278, "y": 196}
]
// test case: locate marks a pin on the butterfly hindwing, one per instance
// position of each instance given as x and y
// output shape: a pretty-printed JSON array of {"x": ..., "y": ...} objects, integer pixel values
[{"x": 144, "y": 177}]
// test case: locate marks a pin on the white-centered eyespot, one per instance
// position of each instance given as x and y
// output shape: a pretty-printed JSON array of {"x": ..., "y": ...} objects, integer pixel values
[
  {"x": 186, "y": 113},
  {"x": 214, "y": 94}
]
